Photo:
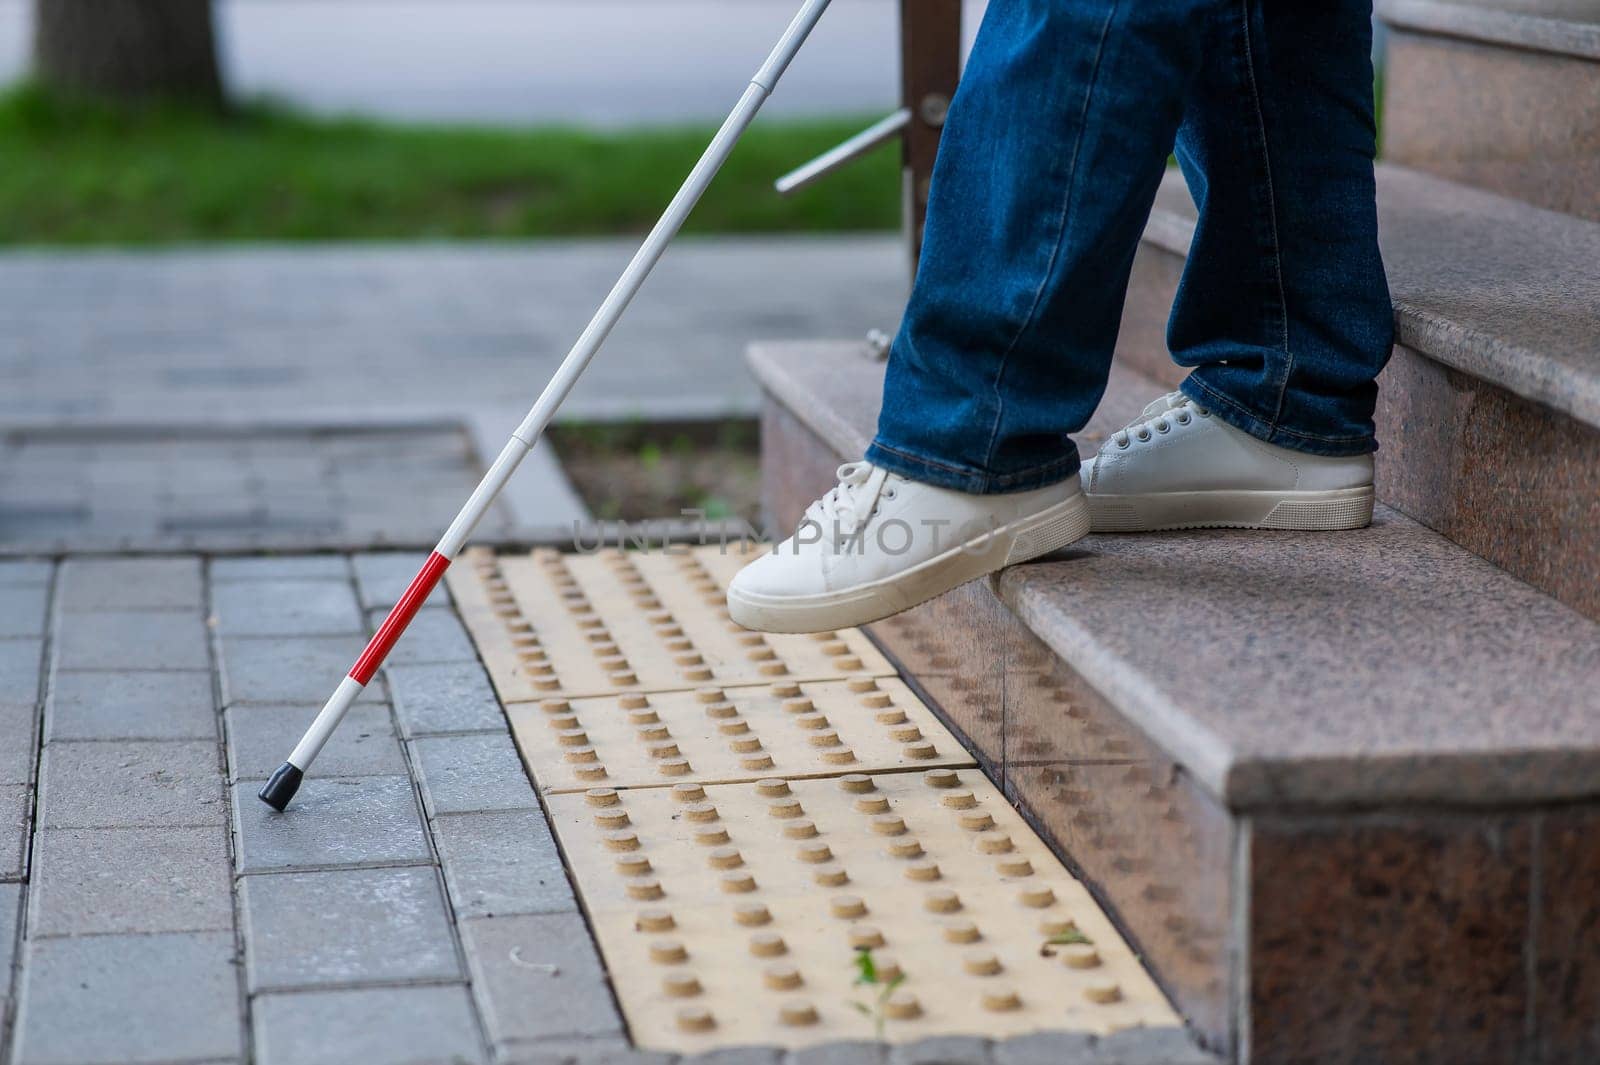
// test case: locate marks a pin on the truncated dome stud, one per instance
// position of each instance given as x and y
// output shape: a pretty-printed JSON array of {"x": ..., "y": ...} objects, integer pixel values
[{"x": 879, "y": 861}]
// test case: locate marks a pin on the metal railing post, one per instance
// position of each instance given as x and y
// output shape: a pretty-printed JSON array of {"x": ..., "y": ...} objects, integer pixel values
[{"x": 930, "y": 66}]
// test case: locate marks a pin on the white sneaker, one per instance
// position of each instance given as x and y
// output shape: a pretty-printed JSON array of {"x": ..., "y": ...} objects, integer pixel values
[
  {"x": 879, "y": 543},
  {"x": 1178, "y": 467}
]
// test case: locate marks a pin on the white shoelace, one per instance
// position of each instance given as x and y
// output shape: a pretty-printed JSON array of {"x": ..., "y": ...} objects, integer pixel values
[
  {"x": 1158, "y": 418},
  {"x": 849, "y": 504}
]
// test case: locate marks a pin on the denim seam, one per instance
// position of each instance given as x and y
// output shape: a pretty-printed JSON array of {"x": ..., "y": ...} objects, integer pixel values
[
  {"x": 1061, "y": 233},
  {"x": 1272, "y": 428},
  {"x": 1272, "y": 216}
]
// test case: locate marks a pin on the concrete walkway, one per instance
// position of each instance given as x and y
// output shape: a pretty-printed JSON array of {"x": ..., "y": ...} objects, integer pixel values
[{"x": 289, "y": 397}]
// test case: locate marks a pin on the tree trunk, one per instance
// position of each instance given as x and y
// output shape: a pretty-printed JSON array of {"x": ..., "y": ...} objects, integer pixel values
[{"x": 127, "y": 48}]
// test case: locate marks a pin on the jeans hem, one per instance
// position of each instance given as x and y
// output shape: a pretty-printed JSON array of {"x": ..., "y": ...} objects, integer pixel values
[
  {"x": 969, "y": 479},
  {"x": 1245, "y": 420}
]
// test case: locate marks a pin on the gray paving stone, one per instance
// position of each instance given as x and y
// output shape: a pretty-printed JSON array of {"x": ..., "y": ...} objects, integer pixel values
[
  {"x": 136, "y": 998},
  {"x": 365, "y": 744},
  {"x": 19, "y": 669},
  {"x": 434, "y": 635},
  {"x": 1151, "y": 1046},
  {"x": 24, "y": 572},
  {"x": 322, "y": 607},
  {"x": 10, "y": 915},
  {"x": 942, "y": 1050},
  {"x": 751, "y": 1055},
  {"x": 382, "y": 577},
  {"x": 501, "y": 863},
  {"x": 277, "y": 567},
  {"x": 349, "y": 926},
  {"x": 131, "y": 784},
  {"x": 465, "y": 774},
  {"x": 374, "y": 1026},
  {"x": 109, "y": 880},
  {"x": 16, "y": 802},
  {"x": 538, "y": 977},
  {"x": 843, "y": 1052},
  {"x": 131, "y": 705},
  {"x": 18, "y": 728},
  {"x": 610, "y": 1051},
  {"x": 1047, "y": 1048},
  {"x": 145, "y": 639},
  {"x": 447, "y": 697},
  {"x": 100, "y": 585},
  {"x": 10, "y": 918},
  {"x": 259, "y": 669},
  {"x": 333, "y": 821},
  {"x": 23, "y": 609}
]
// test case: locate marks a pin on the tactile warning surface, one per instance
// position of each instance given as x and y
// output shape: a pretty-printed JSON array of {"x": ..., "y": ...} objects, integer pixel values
[
  {"x": 612, "y": 622},
  {"x": 730, "y": 913},
  {"x": 793, "y": 729},
  {"x": 741, "y": 812}
]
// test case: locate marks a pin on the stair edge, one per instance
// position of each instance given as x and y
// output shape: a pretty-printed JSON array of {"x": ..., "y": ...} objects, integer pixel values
[
  {"x": 1536, "y": 33},
  {"x": 1521, "y": 370}
]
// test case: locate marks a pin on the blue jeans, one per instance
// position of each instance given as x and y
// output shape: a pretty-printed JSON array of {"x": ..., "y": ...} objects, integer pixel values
[{"x": 1054, "y": 147}]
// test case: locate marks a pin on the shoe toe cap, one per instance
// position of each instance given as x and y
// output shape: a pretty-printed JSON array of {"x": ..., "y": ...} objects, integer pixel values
[{"x": 773, "y": 575}]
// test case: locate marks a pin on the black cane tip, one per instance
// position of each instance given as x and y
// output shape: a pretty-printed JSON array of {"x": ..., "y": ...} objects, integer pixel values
[{"x": 281, "y": 786}]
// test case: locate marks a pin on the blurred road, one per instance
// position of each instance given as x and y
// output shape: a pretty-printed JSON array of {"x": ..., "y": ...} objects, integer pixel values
[{"x": 604, "y": 62}]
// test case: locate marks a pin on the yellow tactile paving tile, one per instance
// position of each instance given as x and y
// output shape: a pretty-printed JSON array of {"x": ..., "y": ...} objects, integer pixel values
[
  {"x": 792, "y": 729},
  {"x": 611, "y": 622},
  {"x": 729, "y": 914}
]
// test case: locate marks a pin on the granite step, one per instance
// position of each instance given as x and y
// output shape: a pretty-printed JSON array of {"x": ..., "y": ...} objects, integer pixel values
[
  {"x": 1489, "y": 412},
  {"x": 1341, "y": 790},
  {"x": 1501, "y": 94}
]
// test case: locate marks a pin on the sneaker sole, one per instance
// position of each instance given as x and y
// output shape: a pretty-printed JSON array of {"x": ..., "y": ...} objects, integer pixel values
[
  {"x": 1039, "y": 534},
  {"x": 1342, "y": 508}
]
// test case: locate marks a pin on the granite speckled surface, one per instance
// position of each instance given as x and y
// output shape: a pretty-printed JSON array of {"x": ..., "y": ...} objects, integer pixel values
[
  {"x": 1499, "y": 474},
  {"x": 1316, "y": 669},
  {"x": 1497, "y": 289},
  {"x": 1495, "y": 473},
  {"x": 1498, "y": 95},
  {"x": 1416, "y": 927},
  {"x": 1563, "y": 27}
]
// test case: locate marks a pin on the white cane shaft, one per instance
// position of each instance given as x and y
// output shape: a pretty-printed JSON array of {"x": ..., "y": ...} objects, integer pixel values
[{"x": 328, "y": 718}]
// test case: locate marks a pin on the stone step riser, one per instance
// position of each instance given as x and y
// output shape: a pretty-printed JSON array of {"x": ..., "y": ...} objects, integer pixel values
[
  {"x": 1508, "y": 479},
  {"x": 1502, "y": 100}
]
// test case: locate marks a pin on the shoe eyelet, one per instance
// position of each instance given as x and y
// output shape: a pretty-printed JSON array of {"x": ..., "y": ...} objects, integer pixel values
[
  {"x": 1124, "y": 444},
  {"x": 1163, "y": 427},
  {"x": 1144, "y": 434},
  {"x": 890, "y": 494},
  {"x": 1183, "y": 419}
]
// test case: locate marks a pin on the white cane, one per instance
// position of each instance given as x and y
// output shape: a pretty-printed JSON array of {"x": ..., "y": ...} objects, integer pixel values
[{"x": 281, "y": 787}]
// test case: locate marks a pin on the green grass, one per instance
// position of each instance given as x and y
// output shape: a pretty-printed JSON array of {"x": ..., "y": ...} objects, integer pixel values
[{"x": 74, "y": 172}]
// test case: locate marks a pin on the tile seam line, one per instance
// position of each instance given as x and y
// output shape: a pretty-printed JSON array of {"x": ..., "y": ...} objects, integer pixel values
[
  {"x": 215, "y": 662},
  {"x": 364, "y": 985},
  {"x": 11, "y": 1013},
  {"x": 341, "y": 867}
]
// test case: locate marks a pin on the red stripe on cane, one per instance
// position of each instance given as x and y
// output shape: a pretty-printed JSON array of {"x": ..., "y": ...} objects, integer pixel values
[{"x": 393, "y": 625}]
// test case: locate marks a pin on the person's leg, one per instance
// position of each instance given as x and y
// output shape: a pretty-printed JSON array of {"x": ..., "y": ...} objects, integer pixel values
[
  {"x": 1283, "y": 311},
  {"x": 1048, "y": 165},
  {"x": 1047, "y": 168}
]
